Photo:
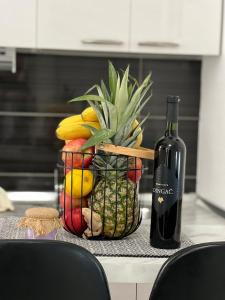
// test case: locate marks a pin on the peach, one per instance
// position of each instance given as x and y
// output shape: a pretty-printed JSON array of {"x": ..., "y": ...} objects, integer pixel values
[{"x": 73, "y": 157}]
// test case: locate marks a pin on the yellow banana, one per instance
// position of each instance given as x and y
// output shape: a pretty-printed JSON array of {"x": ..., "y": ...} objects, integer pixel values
[
  {"x": 71, "y": 120},
  {"x": 139, "y": 137},
  {"x": 75, "y": 130},
  {"x": 89, "y": 114}
]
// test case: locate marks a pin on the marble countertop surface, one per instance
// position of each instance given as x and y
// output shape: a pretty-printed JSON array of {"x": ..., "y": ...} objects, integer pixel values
[{"x": 199, "y": 223}]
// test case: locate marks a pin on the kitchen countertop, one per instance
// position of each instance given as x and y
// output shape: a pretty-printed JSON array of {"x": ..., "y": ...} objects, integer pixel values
[{"x": 199, "y": 222}]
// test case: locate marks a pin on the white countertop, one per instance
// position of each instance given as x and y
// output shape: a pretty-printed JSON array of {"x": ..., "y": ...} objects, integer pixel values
[{"x": 199, "y": 223}]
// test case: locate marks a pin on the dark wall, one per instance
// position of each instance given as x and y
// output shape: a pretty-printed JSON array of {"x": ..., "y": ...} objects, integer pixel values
[{"x": 33, "y": 100}]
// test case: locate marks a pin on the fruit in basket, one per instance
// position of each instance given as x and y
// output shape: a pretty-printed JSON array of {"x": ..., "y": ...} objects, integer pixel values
[
  {"x": 67, "y": 203},
  {"x": 76, "y": 130},
  {"x": 120, "y": 210},
  {"x": 114, "y": 196},
  {"x": 79, "y": 183},
  {"x": 89, "y": 114},
  {"x": 71, "y": 156},
  {"x": 94, "y": 223},
  {"x": 140, "y": 135},
  {"x": 135, "y": 166},
  {"x": 71, "y": 120},
  {"x": 74, "y": 221}
]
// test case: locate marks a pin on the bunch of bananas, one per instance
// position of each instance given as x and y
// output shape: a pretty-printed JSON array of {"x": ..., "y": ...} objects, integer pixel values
[{"x": 72, "y": 127}]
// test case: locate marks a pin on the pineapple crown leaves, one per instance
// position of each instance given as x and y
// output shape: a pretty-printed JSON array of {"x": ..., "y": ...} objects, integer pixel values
[
  {"x": 117, "y": 107},
  {"x": 135, "y": 132},
  {"x": 91, "y": 128},
  {"x": 99, "y": 136}
]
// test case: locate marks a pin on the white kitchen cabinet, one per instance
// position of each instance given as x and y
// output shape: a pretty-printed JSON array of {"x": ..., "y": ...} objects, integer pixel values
[
  {"x": 100, "y": 25},
  {"x": 180, "y": 27},
  {"x": 17, "y": 23},
  {"x": 183, "y": 27}
]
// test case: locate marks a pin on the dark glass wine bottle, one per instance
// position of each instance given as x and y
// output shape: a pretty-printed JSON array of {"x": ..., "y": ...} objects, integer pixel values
[{"x": 168, "y": 183}]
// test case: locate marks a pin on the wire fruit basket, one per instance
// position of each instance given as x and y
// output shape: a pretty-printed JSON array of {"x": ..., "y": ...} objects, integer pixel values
[
  {"x": 100, "y": 203},
  {"x": 99, "y": 195}
]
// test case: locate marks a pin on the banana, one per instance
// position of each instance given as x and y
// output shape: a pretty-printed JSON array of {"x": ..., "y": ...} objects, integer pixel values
[
  {"x": 139, "y": 137},
  {"x": 71, "y": 120},
  {"x": 75, "y": 130},
  {"x": 139, "y": 140},
  {"x": 89, "y": 115}
]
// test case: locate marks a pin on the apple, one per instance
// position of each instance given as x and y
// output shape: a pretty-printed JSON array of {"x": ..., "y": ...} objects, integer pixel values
[
  {"x": 74, "y": 221},
  {"x": 73, "y": 157},
  {"x": 135, "y": 169},
  {"x": 76, "y": 202}
]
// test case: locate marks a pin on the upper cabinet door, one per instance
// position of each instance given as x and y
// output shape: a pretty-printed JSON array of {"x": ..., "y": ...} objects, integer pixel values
[
  {"x": 17, "y": 23},
  {"x": 99, "y": 25},
  {"x": 190, "y": 27}
]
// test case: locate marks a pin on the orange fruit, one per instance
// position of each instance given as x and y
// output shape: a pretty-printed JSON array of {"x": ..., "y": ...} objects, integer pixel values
[{"x": 79, "y": 183}]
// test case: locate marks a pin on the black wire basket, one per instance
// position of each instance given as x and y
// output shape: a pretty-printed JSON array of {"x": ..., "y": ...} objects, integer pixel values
[{"x": 98, "y": 194}]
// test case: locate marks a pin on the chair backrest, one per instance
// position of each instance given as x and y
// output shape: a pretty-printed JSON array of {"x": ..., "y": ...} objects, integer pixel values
[
  {"x": 49, "y": 270},
  {"x": 195, "y": 273}
]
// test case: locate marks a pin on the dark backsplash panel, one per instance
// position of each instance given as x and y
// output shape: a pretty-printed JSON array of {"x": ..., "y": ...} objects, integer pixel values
[
  {"x": 33, "y": 100},
  {"x": 174, "y": 77},
  {"x": 44, "y": 83}
]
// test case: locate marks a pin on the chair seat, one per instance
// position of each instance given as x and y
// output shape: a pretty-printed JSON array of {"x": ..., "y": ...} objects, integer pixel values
[
  {"x": 195, "y": 273},
  {"x": 49, "y": 270}
]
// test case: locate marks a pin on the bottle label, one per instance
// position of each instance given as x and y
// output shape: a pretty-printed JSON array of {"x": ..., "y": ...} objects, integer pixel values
[{"x": 165, "y": 189}]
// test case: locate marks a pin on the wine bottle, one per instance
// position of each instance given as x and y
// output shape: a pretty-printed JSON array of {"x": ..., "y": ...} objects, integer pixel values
[{"x": 168, "y": 183}]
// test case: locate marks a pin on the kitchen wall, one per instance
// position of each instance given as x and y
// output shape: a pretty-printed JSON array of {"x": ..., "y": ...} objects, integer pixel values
[
  {"x": 34, "y": 100},
  {"x": 211, "y": 159}
]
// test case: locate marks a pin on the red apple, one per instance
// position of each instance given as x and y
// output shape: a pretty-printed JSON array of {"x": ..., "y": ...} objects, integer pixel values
[
  {"x": 135, "y": 169},
  {"x": 73, "y": 157},
  {"x": 74, "y": 221},
  {"x": 76, "y": 202}
]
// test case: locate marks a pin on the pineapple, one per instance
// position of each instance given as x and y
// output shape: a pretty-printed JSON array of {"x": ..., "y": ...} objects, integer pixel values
[
  {"x": 114, "y": 196},
  {"x": 120, "y": 213}
]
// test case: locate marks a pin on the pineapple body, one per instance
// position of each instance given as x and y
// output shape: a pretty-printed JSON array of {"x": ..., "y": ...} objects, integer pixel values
[{"x": 115, "y": 200}]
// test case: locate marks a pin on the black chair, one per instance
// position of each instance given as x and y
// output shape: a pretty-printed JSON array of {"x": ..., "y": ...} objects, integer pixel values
[
  {"x": 49, "y": 270},
  {"x": 195, "y": 273}
]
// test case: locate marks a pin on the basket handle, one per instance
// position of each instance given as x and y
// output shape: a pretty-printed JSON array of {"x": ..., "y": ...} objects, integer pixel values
[{"x": 136, "y": 152}]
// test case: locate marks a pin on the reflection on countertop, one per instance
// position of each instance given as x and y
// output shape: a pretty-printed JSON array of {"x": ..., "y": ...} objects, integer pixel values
[
  {"x": 25, "y": 199},
  {"x": 194, "y": 211}
]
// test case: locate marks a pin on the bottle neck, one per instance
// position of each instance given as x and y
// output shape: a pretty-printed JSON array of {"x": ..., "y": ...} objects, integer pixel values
[
  {"x": 172, "y": 120},
  {"x": 171, "y": 129}
]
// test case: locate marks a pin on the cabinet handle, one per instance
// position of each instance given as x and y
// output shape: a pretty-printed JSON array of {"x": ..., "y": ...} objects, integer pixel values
[
  {"x": 158, "y": 44},
  {"x": 102, "y": 42}
]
